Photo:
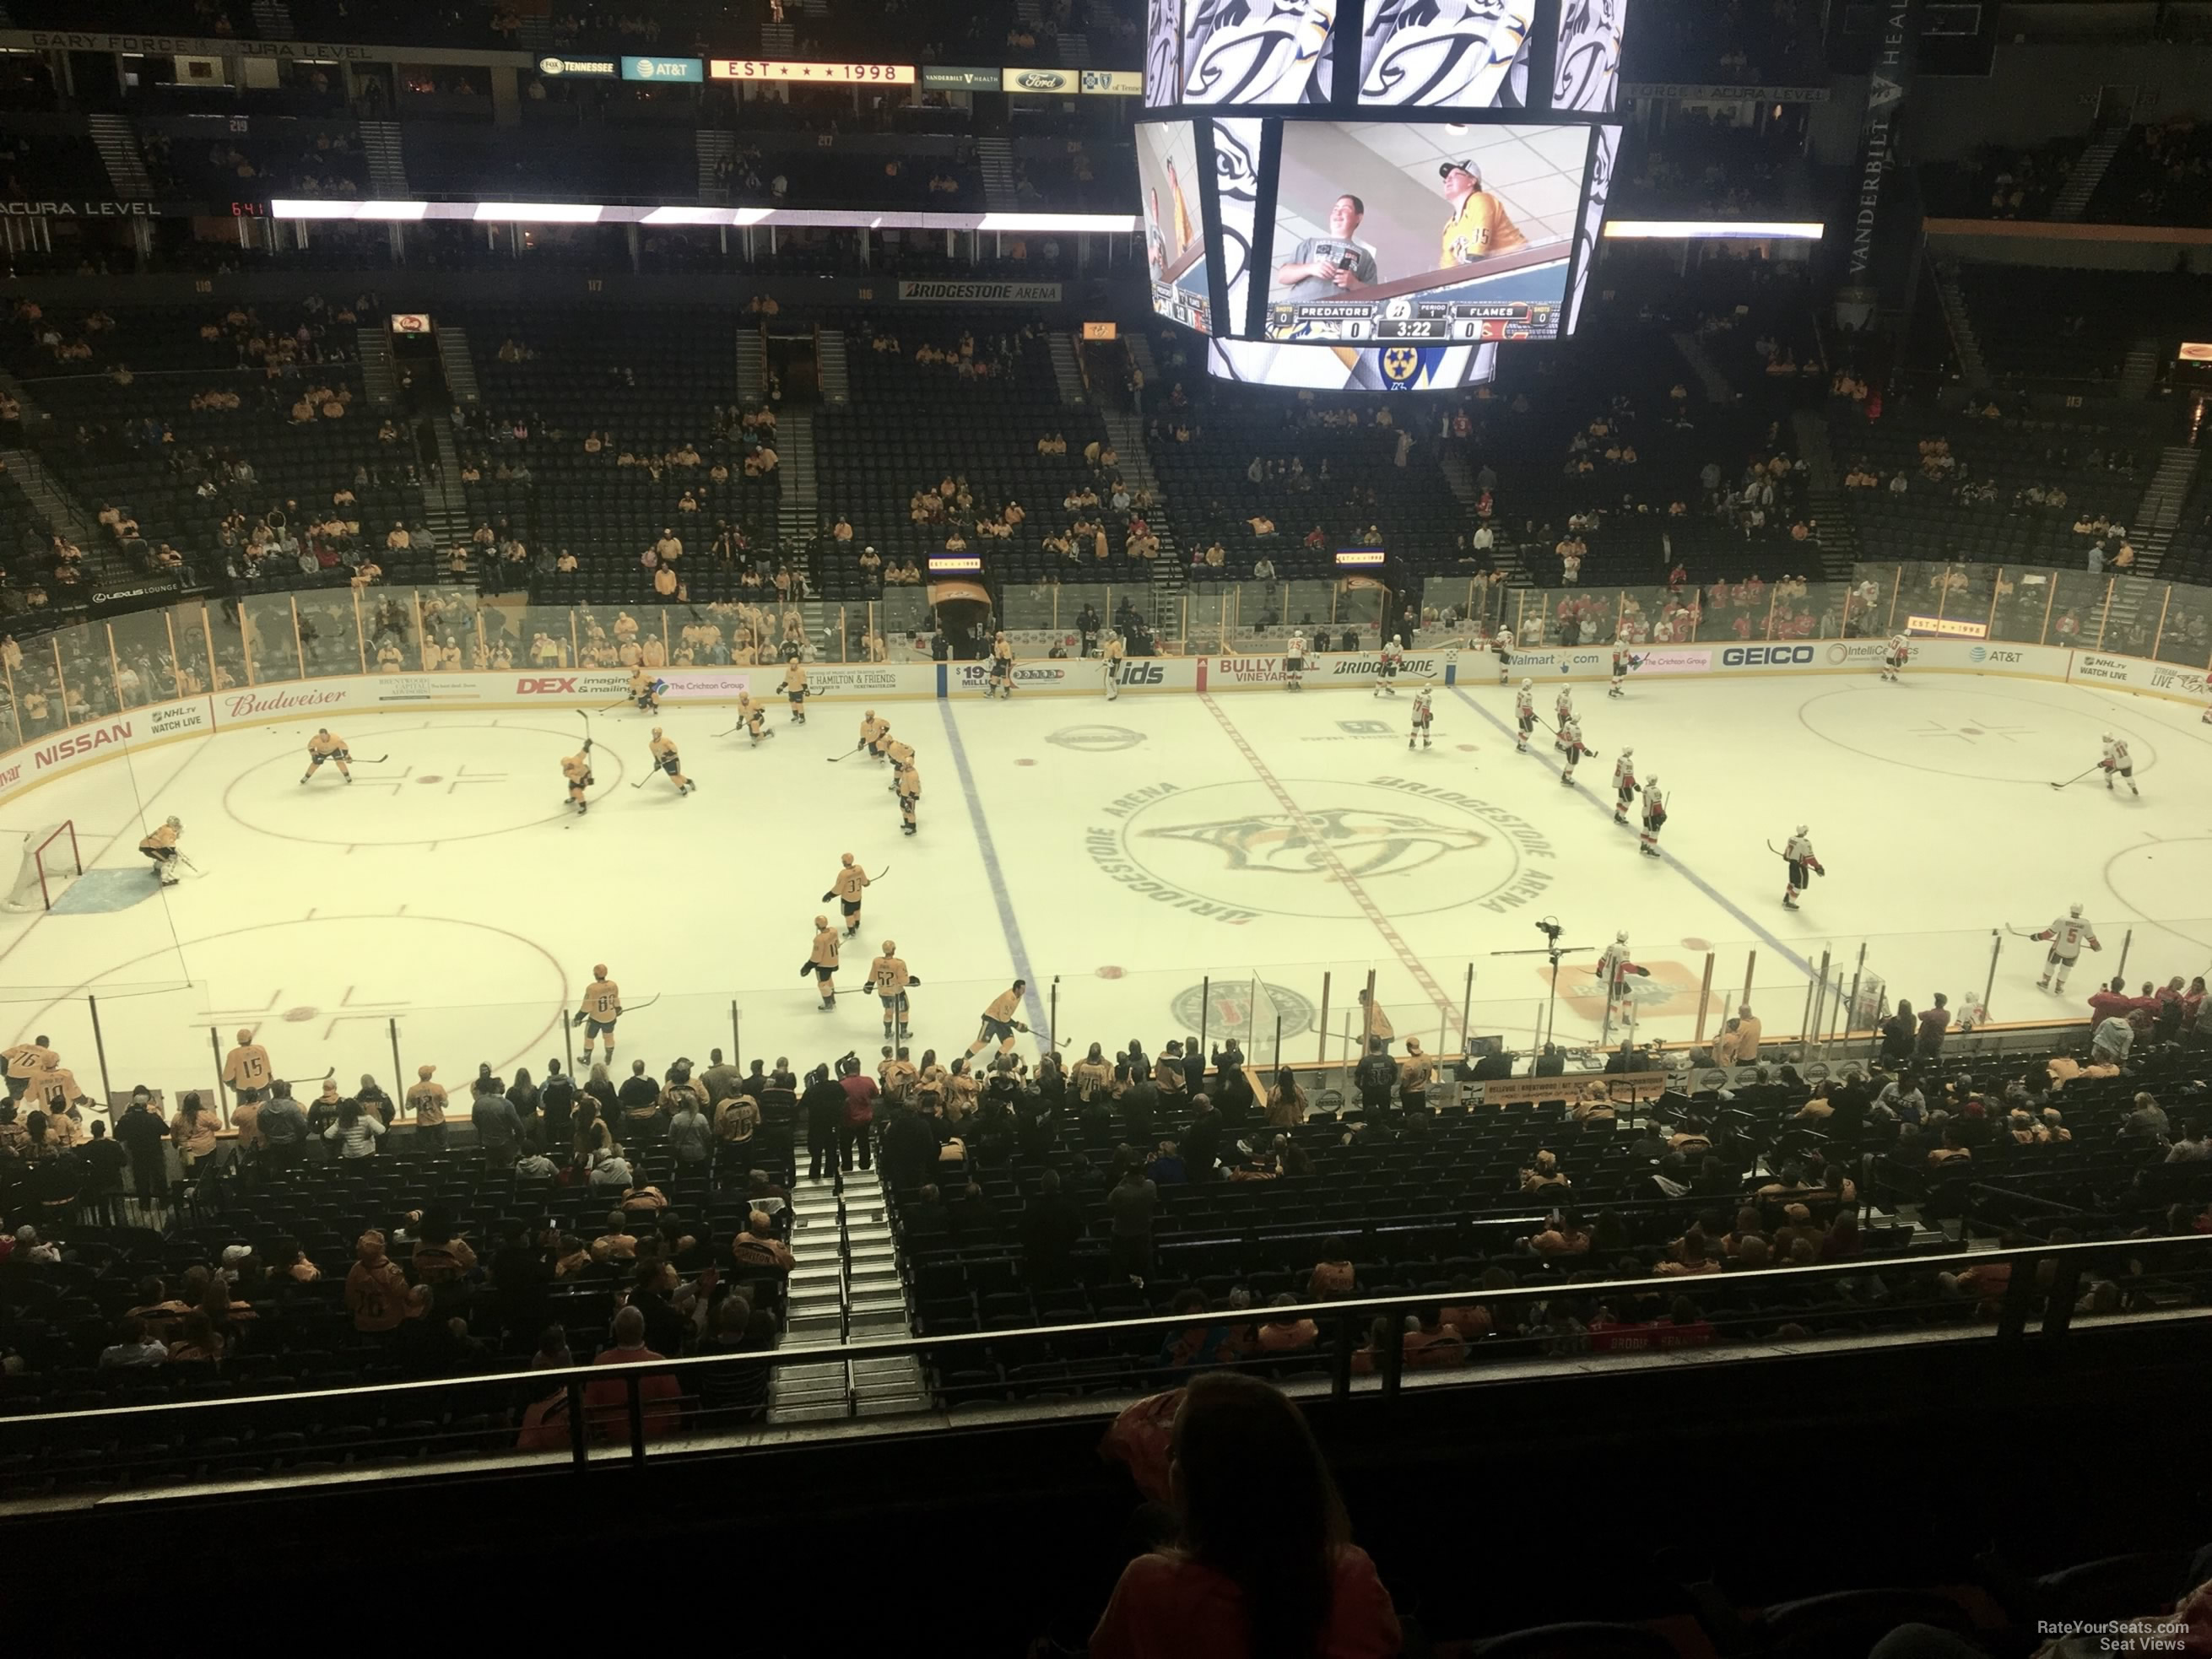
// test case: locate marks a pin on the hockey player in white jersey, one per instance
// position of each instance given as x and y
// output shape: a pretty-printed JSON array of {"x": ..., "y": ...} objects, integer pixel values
[
  {"x": 1502, "y": 643},
  {"x": 1421, "y": 717},
  {"x": 1386, "y": 666},
  {"x": 2117, "y": 763},
  {"x": 1798, "y": 854},
  {"x": 1294, "y": 661},
  {"x": 1624, "y": 785},
  {"x": 1563, "y": 710},
  {"x": 1894, "y": 656},
  {"x": 2067, "y": 934},
  {"x": 1655, "y": 817},
  {"x": 1623, "y": 661},
  {"x": 1524, "y": 714},
  {"x": 1571, "y": 749},
  {"x": 1615, "y": 970}
]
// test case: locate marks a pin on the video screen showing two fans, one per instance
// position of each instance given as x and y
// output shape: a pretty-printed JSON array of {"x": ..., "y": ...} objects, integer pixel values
[
  {"x": 1424, "y": 232},
  {"x": 1558, "y": 55}
]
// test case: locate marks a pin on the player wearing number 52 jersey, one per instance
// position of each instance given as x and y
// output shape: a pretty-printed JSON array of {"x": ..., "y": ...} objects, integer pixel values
[
  {"x": 1479, "y": 226},
  {"x": 888, "y": 974},
  {"x": 2067, "y": 934}
]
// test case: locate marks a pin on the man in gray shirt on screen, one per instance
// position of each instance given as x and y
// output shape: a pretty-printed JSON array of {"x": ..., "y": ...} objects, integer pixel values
[{"x": 1331, "y": 267}]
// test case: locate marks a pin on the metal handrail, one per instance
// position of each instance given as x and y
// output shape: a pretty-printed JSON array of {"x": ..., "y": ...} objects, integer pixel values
[{"x": 574, "y": 1377}]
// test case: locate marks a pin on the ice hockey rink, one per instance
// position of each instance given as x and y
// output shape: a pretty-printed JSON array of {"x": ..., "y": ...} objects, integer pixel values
[{"x": 1141, "y": 863}]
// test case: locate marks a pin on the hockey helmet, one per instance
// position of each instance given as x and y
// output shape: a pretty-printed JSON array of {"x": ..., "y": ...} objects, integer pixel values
[
  {"x": 1620, "y": 938},
  {"x": 2108, "y": 737},
  {"x": 1651, "y": 779},
  {"x": 1526, "y": 683},
  {"x": 844, "y": 857},
  {"x": 890, "y": 947},
  {"x": 245, "y": 1034},
  {"x": 2073, "y": 910},
  {"x": 599, "y": 970},
  {"x": 1394, "y": 641},
  {"x": 175, "y": 823},
  {"x": 656, "y": 731},
  {"x": 821, "y": 922},
  {"x": 1802, "y": 829},
  {"x": 1627, "y": 752}
]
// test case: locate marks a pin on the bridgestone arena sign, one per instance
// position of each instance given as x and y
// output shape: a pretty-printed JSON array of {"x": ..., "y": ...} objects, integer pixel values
[{"x": 1022, "y": 294}]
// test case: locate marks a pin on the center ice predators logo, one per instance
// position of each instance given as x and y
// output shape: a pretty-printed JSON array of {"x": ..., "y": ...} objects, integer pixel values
[{"x": 1362, "y": 840}]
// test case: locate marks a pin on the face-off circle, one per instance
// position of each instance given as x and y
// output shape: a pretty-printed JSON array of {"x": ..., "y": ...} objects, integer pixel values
[{"x": 439, "y": 783}]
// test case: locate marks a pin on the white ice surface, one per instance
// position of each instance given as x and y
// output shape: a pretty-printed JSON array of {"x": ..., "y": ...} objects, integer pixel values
[{"x": 447, "y": 891}]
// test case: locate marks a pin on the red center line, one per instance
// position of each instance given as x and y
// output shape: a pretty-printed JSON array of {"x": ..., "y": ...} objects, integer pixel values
[{"x": 1372, "y": 911}]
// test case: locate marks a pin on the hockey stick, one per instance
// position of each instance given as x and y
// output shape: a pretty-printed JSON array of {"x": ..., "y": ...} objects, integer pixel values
[
  {"x": 633, "y": 1007},
  {"x": 370, "y": 760},
  {"x": 833, "y": 759},
  {"x": 2077, "y": 777},
  {"x": 2020, "y": 933}
]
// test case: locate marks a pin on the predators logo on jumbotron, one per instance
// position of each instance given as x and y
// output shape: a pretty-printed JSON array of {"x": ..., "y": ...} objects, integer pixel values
[{"x": 1402, "y": 364}]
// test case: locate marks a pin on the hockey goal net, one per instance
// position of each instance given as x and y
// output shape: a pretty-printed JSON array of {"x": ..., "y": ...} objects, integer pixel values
[{"x": 47, "y": 860}]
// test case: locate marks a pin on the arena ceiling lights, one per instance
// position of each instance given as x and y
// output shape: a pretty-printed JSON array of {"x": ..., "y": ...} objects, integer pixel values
[
  {"x": 586, "y": 213},
  {"x": 1713, "y": 230}
]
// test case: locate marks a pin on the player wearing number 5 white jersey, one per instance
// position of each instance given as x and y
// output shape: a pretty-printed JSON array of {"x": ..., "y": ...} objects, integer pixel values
[
  {"x": 2118, "y": 763},
  {"x": 2067, "y": 934}
]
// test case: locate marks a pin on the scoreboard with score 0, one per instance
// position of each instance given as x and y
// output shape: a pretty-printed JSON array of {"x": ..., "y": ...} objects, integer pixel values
[{"x": 1414, "y": 319}]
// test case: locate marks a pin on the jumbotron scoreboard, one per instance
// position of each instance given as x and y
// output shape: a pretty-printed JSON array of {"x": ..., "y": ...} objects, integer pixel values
[
  {"x": 1382, "y": 192},
  {"x": 1413, "y": 319}
]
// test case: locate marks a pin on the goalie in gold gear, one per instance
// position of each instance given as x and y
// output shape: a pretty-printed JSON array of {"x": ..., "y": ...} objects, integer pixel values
[{"x": 161, "y": 847}]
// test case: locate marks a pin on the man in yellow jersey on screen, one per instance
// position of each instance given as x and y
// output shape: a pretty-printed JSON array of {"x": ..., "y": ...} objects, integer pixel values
[{"x": 1479, "y": 226}]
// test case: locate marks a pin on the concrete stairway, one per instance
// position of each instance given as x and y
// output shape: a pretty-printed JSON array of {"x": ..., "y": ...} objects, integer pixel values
[
  {"x": 831, "y": 368},
  {"x": 996, "y": 157},
  {"x": 1068, "y": 370},
  {"x": 458, "y": 363},
  {"x": 1717, "y": 389},
  {"x": 2087, "y": 174},
  {"x": 379, "y": 378},
  {"x": 2159, "y": 513},
  {"x": 118, "y": 144},
  {"x": 798, "y": 507},
  {"x": 752, "y": 364},
  {"x": 844, "y": 1284},
  {"x": 386, "y": 155},
  {"x": 2139, "y": 373},
  {"x": 712, "y": 146},
  {"x": 1824, "y": 496},
  {"x": 1960, "y": 322},
  {"x": 444, "y": 507}
]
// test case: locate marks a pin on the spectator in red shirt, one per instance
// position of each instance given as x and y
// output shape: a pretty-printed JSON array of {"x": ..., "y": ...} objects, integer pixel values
[
  {"x": 1263, "y": 1563},
  {"x": 2114, "y": 1000},
  {"x": 606, "y": 1405}
]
